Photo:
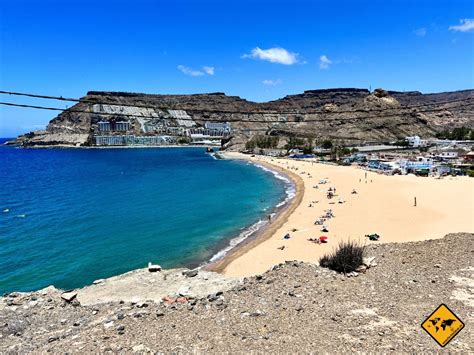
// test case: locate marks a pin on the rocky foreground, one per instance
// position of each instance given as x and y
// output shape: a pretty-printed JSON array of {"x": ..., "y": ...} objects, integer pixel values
[{"x": 294, "y": 307}]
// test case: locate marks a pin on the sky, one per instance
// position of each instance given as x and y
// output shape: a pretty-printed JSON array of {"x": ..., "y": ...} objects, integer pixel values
[{"x": 258, "y": 50}]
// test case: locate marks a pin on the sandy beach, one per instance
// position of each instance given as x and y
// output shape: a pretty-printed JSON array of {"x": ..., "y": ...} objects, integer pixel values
[{"x": 383, "y": 205}]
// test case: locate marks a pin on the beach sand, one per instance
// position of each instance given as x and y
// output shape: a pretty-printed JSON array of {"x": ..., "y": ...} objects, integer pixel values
[{"x": 383, "y": 205}]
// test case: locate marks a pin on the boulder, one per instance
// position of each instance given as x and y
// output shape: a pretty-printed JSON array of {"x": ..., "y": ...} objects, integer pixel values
[
  {"x": 190, "y": 273},
  {"x": 184, "y": 291},
  {"x": 380, "y": 92},
  {"x": 69, "y": 296},
  {"x": 153, "y": 267},
  {"x": 369, "y": 261},
  {"x": 140, "y": 349},
  {"x": 48, "y": 290}
]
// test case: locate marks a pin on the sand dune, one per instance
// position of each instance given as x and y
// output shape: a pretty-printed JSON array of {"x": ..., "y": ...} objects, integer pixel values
[{"x": 383, "y": 205}]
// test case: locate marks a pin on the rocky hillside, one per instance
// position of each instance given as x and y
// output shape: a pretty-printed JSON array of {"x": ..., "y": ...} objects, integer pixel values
[
  {"x": 351, "y": 115},
  {"x": 293, "y": 308}
]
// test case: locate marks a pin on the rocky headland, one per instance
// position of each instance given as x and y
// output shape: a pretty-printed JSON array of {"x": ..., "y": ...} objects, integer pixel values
[
  {"x": 346, "y": 114},
  {"x": 293, "y": 307}
]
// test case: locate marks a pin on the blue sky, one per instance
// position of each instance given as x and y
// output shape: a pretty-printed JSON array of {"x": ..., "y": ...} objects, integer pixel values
[{"x": 259, "y": 50}]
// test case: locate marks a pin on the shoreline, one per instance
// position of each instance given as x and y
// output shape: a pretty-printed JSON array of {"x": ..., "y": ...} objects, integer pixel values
[
  {"x": 281, "y": 214},
  {"x": 216, "y": 263},
  {"x": 254, "y": 247},
  {"x": 108, "y": 146}
]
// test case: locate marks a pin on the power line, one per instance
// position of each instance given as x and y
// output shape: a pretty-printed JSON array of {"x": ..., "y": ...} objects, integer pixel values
[
  {"x": 262, "y": 111},
  {"x": 38, "y": 96}
]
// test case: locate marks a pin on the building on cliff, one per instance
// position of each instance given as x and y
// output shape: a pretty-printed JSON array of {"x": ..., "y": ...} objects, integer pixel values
[
  {"x": 212, "y": 132},
  {"x": 121, "y": 140}
]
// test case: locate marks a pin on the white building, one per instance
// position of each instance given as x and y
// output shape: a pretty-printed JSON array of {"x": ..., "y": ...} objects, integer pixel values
[
  {"x": 419, "y": 163},
  {"x": 447, "y": 155},
  {"x": 211, "y": 131},
  {"x": 104, "y": 126},
  {"x": 122, "y": 126},
  {"x": 414, "y": 141},
  {"x": 219, "y": 126},
  {"x": 133, "y": 140}
]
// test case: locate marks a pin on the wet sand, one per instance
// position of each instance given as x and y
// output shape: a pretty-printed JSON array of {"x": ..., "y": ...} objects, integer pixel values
[
  {"x": 383, "y": 205},
  {"x": 269, "y": 229}
]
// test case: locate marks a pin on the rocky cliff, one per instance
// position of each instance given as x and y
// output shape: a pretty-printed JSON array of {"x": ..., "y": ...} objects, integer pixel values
[{"x": 349, "y": 115}]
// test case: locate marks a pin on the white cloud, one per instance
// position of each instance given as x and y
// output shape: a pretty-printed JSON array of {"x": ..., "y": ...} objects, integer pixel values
[
  {"x": 324, "y": 62},
  {"x": 466, "y": 25},
  {"x": 188, "y": 71},
  {"x": 273, "y": 55},
  {"x": 193, "y": 72},
  {"x": 420, "y": 32},
  {"x": 269, "y": 82},
  {"x": 208, "y": 70}
]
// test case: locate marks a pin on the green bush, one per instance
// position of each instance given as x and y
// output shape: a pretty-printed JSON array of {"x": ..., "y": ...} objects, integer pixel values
[
  {"x": 295, "y": 142},
  {"x": 346, "y": 258},
  {"x": 327, "y": 144},
  {"x": 308, "y": 148},
  {"x": 250, "y": 145},
  {"x": 262, "y": 142},
  {"x": 459, "y": 134},
  {"x": 343, "y": 150},
  {"x": 401, "y": 143},
  {"x": 184, "y": 140}
]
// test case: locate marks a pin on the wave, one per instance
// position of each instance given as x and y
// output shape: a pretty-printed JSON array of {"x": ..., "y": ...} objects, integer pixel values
[
  {"x": 290, "y": 189},
  {"x": 236, "y": 241},
  {"x": 290, "y": 192},
  {"x": 213, "y": 155}
]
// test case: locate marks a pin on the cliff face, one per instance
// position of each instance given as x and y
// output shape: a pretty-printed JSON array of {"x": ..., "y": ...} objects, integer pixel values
[{"x": 351, "y": 115}]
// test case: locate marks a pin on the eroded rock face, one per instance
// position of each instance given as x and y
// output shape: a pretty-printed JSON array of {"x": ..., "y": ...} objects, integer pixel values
[
  {"x": 47, "y": 138},
  {"x": 349, "y": 115}
]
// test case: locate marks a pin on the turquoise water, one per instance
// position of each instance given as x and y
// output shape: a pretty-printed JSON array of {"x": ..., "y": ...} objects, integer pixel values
[{"x": 76, "y": 215}]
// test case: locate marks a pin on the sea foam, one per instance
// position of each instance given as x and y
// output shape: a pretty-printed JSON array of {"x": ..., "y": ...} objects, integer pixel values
[{"x": 290, "y": 192}]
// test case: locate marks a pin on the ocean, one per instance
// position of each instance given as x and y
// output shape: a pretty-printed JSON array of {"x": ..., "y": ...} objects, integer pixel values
[{"x": 71, "y": 216}]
